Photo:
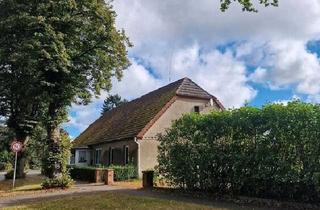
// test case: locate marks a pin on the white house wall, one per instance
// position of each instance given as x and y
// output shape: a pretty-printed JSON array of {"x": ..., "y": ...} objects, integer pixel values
[{"x": 149, "y": 143}]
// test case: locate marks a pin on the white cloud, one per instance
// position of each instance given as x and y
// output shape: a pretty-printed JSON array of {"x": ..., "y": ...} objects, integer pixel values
[
  {"x": 218, "y": 73},
  {"x": 292, "y": 65},
  {"x": 181, "y": 21},
  {"x": 136, "y": 81},
  {"x": 179, "y": 38},
  {"x": 274, "y": 39}
]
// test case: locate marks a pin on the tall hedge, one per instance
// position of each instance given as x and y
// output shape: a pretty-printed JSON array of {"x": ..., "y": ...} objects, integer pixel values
[
  {"x": 124, "y": 172},
  {"x": 270, "y": 152}
]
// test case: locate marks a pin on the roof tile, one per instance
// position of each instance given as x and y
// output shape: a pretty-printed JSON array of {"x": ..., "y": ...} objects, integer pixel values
[{"x": 127, "y": 120}]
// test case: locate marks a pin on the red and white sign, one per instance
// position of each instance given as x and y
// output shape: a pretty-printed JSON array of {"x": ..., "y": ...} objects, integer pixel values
[{"x": 16, "y": 146}]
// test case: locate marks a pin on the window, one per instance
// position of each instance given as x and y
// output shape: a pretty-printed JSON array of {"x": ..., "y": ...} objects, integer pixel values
[
  {"x": 196, "y": 109},
  {"x": 110, "y": 155},
  {"x": 82, "y": 156},
  {"x": 72, "y": 159},
  {"x": 126, "y": 155},
  {"x": 98, "y": 156}
]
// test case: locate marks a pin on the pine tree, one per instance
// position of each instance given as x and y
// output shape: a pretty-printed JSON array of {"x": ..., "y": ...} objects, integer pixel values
[{"x": 111, "y": 102}]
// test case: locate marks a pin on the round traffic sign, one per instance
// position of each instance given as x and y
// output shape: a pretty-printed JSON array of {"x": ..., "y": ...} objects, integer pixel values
[{"x": 16, "y": 146}]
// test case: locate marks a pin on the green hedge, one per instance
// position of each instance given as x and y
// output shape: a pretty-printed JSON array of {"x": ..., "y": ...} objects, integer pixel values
[
  {"x": 83, "y": 173},
  {"x": 124, "y": 172},
  {"x": 272, "y": 152},
  {"x": 88, "y": 173}
]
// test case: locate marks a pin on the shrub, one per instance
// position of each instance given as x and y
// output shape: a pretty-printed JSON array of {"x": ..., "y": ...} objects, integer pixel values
[
  {"x": 63, "y": 181},
  {"x": 272, "y": 152},
  {"x": 124, "y": 172},
  {"x": 83, "y": 173},
  {"x": 5, "y": 166},
  {"x": 5, "y": 160}
]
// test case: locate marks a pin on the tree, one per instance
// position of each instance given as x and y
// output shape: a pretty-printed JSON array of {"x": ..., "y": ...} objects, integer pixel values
[
  {"x": 5, "y": 156},
  {"x": 112, "y": 101},
  {"x": 22, "y": 111},
  {"x": 68, "y": 50},
  {"x": 247, "y": 5}
]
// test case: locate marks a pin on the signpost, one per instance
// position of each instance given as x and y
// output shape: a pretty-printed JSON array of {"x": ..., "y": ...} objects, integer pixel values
[{"x": 16, "y": 147}]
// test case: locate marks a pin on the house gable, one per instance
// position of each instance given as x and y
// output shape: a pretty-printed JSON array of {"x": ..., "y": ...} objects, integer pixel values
[
  {"x": 135, "y": 118},
  {"x": 181, "y": 106}
]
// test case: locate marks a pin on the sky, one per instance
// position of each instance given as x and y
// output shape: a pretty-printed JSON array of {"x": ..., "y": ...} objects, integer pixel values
[{"x": 272, "y": 56}]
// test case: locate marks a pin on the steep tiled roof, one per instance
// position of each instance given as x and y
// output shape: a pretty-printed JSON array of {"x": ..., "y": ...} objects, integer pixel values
[{"x": 127, "y": 120}]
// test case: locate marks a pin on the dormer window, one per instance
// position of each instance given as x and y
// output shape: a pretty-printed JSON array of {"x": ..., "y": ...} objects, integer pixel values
[{"x": 196, "y": 109}]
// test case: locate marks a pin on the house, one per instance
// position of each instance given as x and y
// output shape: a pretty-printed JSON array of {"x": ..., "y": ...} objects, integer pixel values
[{"x": 128, "y": 133}]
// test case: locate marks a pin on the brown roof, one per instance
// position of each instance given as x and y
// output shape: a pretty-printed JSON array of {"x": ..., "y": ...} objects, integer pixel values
[{"x": 130, "y": 119}]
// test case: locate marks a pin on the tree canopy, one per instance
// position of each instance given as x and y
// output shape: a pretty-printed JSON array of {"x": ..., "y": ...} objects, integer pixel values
[
  {"x": 248, "y": 5},
  {"x": 54, "y": 53}
]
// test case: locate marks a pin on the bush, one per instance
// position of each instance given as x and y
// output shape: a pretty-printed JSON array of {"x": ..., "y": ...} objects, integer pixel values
[
  {"x": 5, "y": 160},
  {"x": 272, "y": 152},
  {"x": 124, "y": 172},
  {"x": 5, "y": 166},
  {"x": 64, "y": 181},
  {"x": 85, "y": 173}
]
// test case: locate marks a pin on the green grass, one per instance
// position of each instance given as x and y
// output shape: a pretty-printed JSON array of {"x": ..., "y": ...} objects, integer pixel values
[
  {"x": 108, "y": 200},
  {"x": 28, "y": 184}
]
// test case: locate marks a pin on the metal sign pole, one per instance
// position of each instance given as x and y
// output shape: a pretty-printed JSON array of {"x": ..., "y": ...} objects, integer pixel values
[{"x": 15, "y": 169}]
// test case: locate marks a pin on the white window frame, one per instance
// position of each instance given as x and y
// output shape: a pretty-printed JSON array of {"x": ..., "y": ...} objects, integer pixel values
[
  {"x": 97, "y": 160},
  {"x": 82, "y": 159}
]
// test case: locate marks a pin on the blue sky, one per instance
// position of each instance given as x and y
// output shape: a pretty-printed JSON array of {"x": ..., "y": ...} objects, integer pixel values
[{"x": 266, "y": 57}]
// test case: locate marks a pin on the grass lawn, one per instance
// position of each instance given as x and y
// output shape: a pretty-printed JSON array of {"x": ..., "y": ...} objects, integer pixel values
[
  {"x": 30, "y": 183},
  {"x": 110, "y": 200},
  {"x": 132, "y": 184}
]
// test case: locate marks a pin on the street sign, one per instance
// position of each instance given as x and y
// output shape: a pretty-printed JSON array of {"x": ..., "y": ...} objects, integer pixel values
[{"x": 16, "y": 147}]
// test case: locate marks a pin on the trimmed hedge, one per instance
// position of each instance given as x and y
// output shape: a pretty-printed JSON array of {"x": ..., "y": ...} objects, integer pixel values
[
  {"x": 124, "y": 172},
  {"x": 88, "y": 173},
  {"x": 272, "y": 152},
  {"x": 83, "y": 173}
]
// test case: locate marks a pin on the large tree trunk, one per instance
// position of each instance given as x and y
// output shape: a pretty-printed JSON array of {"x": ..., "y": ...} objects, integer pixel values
[
  {"x": 53, "y": 161},
  {"x": 21, "y": 163},
  {"x": 54, "y": 149}
]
